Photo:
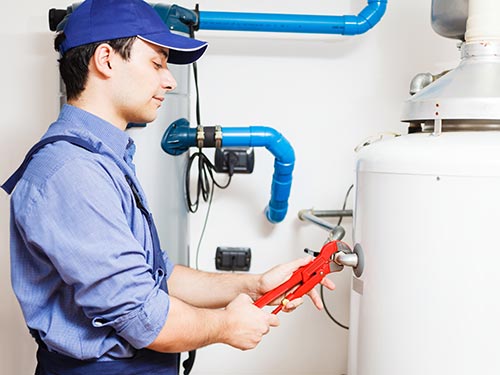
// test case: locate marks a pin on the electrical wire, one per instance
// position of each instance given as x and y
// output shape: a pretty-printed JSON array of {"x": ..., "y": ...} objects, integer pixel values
[
  {"x": 345, "y": 203},
  {"x": 198, "y": 112},
  {"x": 321, "y": 289},
  {"x": 205, "y": 180},
  {"x": 195, "y": 75},
  {"x": 203, "y": 229}
]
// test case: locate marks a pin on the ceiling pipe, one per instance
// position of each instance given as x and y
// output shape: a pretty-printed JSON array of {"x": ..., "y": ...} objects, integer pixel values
[
  {"x": 295, "y": 23},
  {"x": 482, "y": 23}
]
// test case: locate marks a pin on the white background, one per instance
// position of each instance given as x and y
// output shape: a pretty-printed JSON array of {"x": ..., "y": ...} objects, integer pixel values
[{"x": 326, "y": 94}]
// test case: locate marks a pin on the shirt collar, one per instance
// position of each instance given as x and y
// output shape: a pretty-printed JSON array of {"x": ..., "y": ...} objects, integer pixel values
[{"x": 110, "y": 135}]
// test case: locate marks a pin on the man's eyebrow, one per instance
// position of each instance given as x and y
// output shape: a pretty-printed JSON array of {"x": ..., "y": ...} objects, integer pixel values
[{"x": 163, "y": 52}]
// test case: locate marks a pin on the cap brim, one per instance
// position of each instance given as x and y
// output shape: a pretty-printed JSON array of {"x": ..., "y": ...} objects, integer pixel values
[{"x": 182, "y": 50}]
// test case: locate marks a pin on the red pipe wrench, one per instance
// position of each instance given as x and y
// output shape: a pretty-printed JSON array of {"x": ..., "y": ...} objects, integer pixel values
[{"x": 306, "y": 277}]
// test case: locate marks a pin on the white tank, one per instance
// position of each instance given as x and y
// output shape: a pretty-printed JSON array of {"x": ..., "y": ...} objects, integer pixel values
[
  {"x": 427, "y": 214},
  {"x": 427, "y": 217}
]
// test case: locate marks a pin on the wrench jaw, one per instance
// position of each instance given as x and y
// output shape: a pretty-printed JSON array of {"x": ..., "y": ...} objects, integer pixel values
[
  {"x": 335, "y": 267},
  {"x": 343, "y": 247}
]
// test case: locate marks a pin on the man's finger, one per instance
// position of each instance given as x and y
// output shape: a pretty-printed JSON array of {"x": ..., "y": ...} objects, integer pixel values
[
  {"x": 327, "y": 283},
  {"x": 316, "y": 299}
]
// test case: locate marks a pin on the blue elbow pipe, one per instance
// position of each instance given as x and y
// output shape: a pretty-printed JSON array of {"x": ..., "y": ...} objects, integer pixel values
[
  {"x": 179, "y": 137},
  {"x": 294, "y": 23},
  {"x": 278, "y": 145}
]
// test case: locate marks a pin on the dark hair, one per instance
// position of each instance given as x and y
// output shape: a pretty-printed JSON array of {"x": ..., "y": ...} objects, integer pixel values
[{"x": 74, "y": 64}]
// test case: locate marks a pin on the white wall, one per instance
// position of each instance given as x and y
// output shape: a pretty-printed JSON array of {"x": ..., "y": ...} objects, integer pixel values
[{"x": 326, "y": 94}]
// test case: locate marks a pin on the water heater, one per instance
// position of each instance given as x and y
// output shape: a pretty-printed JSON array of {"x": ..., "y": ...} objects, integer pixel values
[{"x": 426, "y": 215}]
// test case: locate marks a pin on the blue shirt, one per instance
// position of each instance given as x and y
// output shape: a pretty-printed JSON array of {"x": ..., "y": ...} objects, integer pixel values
[{"x": 81, "y": 251}]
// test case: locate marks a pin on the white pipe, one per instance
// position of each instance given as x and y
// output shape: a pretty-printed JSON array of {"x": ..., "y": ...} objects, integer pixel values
[{"x": 483, "y": 22}]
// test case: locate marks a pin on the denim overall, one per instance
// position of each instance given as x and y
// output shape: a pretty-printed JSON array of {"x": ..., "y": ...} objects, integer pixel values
[{"x": 144, "y": 361}]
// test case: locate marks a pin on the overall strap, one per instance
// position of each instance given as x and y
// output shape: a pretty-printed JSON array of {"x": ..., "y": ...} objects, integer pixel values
[
  {"x": 11, "y": 183},
  {"x": 158, "y": 261}
]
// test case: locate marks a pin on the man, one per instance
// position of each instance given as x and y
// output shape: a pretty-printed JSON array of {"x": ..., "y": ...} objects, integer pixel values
[{"x": 87, "y": 267}]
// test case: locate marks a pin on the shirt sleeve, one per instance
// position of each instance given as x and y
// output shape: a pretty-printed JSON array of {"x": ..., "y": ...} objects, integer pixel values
[{"x": 77, "y": 220}]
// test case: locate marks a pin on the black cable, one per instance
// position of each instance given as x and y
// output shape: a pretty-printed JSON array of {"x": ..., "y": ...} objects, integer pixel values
[
  {"x": 198, "y": 112},
  {"x": 321, "y": 286},
  {"x": 195, "y": 74},
  {"x": 345, "y": 203},
  {"x": 327, "y": 311},
  {"x": 205, "y": 182},
  {"x": 205, "y": 167}
]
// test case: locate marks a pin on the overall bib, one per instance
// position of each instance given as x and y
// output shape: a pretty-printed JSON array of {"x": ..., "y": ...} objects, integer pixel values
[{"x": 145, "y": 361}]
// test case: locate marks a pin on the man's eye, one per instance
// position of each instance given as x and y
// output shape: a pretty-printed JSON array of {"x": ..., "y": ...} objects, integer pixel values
[{"x": 156, "y": 65}]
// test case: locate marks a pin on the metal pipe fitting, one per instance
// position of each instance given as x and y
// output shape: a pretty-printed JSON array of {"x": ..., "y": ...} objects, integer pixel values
[
  {"x": 307, "y": 215},
  {"x": 331, "y": 213},
  {"x": 346, "y": 259},
  {"x": 337, "y": 232}
]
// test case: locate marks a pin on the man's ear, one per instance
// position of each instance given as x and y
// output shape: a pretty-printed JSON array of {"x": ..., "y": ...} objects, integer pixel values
[{"x": 103, "y": 59}]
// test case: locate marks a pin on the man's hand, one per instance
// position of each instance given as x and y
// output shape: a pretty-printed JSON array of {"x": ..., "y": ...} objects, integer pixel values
[
  {"x": 246, "y": 324},
  {"x": 279, "y": 274}
]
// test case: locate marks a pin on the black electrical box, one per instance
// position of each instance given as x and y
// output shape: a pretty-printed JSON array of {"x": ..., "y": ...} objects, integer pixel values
[
  {"x": 234, "y": 160},
  {"x": 233, "y": 258}
]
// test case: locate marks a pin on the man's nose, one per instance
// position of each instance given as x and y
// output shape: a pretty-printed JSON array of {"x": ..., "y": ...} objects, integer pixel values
[{"x": 168, "y": 81}]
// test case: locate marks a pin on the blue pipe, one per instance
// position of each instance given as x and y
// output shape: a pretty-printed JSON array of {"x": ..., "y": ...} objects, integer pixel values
[
  {"x": 277, "y": 144},
  {"x": 179, "y": 137},
  {"x": 294, "y": 23}
]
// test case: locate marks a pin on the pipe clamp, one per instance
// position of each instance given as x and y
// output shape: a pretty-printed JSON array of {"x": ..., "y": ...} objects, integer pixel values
[
  {"x": 218, "y": 136},
  {"x": 200, "y": 136}
]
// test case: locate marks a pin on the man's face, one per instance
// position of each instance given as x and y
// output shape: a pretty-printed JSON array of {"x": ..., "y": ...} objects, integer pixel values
[{"x": 140, "y": 84}]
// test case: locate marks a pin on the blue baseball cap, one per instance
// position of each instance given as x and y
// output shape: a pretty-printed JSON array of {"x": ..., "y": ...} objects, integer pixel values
[{"x": 100, "y": 20}]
